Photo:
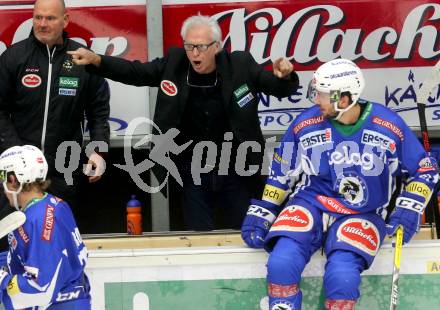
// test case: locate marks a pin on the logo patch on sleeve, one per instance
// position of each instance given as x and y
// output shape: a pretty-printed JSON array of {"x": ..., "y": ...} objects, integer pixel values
[
  {"x": 274, "y": 194},
  {"x": 419, "y": 189},
  {"x": 49, "y": 222},
  {"x": 23, "y": 234}
]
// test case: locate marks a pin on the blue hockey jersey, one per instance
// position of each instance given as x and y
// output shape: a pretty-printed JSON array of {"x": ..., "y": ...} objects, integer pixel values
[
  {"x": 349, "y": 169},
  {"x": 46, "y": 259}
]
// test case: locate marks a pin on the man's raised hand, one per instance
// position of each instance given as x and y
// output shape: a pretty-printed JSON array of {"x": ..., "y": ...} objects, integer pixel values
[
  {"x": 282, "y": 68},
  {"x": 84, "y": 56}
]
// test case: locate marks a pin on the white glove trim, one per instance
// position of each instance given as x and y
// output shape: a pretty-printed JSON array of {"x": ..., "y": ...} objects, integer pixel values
[{"x": 410, "y": 204}]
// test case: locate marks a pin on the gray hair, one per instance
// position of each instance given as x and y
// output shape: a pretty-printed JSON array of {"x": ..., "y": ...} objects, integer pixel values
[{"x": 201, "y": 20}]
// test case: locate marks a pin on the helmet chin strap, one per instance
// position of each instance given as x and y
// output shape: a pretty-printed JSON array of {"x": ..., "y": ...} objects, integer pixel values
[
  {"x": 341, "y": 111},
  {"x": 14, "y": 194}
]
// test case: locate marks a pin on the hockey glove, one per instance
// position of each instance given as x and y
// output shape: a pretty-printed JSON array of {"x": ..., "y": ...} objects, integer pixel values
[
  {"x": 408, "y": 213},
  {"x": 256, "y": 225}
]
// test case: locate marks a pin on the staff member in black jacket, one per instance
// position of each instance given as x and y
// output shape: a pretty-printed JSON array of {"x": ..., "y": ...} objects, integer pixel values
[
  {"x": 208, "y": 94},
  {"x": 44, "y": 96}
]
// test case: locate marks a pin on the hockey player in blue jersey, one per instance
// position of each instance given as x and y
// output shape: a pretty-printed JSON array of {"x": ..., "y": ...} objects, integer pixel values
[
  {"x": 330, "y": 183},
  {"x": 47, "y": 257}
]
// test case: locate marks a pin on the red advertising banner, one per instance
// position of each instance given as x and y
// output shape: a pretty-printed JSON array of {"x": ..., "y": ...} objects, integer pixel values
[
  {"x": 374, "y": 34},
  {"x": 113, "y": 30}
]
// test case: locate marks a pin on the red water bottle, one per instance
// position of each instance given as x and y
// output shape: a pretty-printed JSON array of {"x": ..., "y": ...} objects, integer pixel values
[{"x": 134, "y": 216}]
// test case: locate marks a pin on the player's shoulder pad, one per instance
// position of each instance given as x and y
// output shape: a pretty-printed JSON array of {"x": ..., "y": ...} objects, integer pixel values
[
  {"x": 307, "y": 120},
  {"x": 387, "y": 118}
]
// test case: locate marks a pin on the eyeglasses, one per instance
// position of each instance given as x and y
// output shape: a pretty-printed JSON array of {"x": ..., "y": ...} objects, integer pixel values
[{"x": 200, "y": 47}]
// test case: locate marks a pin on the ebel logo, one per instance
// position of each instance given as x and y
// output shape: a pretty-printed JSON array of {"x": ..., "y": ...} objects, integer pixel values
[
  {"x": 316, "y": 138},
  {"x": 379, "y": 140},
  {"x": 31, "y": 80},
  {"x": 69, "y": 82}
]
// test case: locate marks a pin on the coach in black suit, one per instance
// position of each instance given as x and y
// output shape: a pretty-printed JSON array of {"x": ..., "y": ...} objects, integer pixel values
[{"x": 208, "y": 94}]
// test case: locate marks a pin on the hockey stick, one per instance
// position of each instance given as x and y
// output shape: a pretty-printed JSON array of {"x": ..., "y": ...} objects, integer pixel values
[
  {"x": 428, "y": 85},
  {"x": 11, "y": 222},
  {"x": 396, "y": 267}
]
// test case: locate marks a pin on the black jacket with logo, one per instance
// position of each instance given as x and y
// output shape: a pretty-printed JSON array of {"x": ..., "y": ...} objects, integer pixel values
[
  {"x": 241, "y": 79},
  {"x": 29, "y": 114}
]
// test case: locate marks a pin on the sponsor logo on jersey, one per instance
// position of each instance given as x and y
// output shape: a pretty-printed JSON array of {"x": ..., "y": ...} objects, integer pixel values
[
  {"x": 31, "y": 80},
  {"x": 23, "y": 234},
  {"x": 49, "y": 221},
  {"x": 239, "y": 92},
  {"x": 396, "y": 130},
  {"x": 13, "y": 287},
  {"x": 293, "y": 218},
  {"x": 361, "y": 234},
  {"x": 425, "y": 165},
  {"x": 379, "y": 140},
  {"x": 353, "y": 189},
  {"x": 333, "y": 205},
  {"x": 32, "y": 70},
  {"x": 66, "y": 92},
  {"x": 68, "y": 64},
  {"x": 282, "y": 291},
  {"x": 342, "y": 74},
  {"x": 274, "y": 194},
  {"x": 316, "y": 138},
  {"x": 365, "y": 160},
  {"x": 308, "y": 122},
  {"x": 168, "y": 87},
  {"x": 69, "y": 82},
  {"x": 419, "y": 188},
  {"x": 243, "y": 101}
]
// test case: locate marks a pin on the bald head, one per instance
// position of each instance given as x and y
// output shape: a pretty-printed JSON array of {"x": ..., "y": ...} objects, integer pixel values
[
  {"x": 49, "y": 20},
  {"x": 54, "y": 3}
]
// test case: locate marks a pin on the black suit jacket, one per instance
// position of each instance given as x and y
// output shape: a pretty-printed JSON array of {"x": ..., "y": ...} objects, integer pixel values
[{"x": 237, "y": 71}]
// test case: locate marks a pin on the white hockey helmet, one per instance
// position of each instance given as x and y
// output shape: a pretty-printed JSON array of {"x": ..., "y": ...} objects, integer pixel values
[
  {"x": 27, "y": 163},
  {"x": 334, "y": 78}
]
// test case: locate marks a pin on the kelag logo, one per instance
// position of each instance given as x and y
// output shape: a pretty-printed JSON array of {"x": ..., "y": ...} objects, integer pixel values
[{"x": 69, "y": 82}]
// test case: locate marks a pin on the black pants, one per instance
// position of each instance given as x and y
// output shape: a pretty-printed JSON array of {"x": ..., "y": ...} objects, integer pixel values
[{"x": 226, "y": 197}]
